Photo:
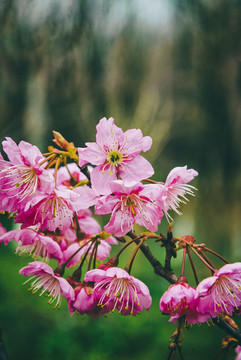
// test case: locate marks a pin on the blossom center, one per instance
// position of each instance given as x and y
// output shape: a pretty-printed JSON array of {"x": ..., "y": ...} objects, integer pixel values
[
  {"x": 19, "y": 180},
  {"x": 115, "y": 158}
]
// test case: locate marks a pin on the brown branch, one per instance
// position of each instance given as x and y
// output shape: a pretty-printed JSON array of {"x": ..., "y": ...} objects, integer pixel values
[
  {"x": 85, "y": 171},
  {"x": 170, "y": 276},
  {"x": 222, "y": 324},
  {"x": 167, "y": 274}
]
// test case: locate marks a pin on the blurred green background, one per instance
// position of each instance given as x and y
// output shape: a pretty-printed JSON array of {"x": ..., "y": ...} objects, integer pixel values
[{"x": 170, "y": 68}]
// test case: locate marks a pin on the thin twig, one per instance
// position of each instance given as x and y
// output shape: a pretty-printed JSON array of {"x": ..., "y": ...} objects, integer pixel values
[
  {"x": 192, "y": 265},
  {"x": 158, "y": 268},
  {"x": 216, "y": 254}
]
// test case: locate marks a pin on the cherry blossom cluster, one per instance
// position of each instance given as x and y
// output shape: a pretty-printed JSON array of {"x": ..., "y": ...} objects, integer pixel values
[{"x": 55, "y": 199}]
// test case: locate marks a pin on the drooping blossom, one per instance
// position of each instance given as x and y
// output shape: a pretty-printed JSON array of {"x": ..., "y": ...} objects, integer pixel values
[
  {"x": 131, "y": 203},
  {"x": 22, "y": 176},
  {"x": 48, "y": 282},
  {"x": 56, "y": 209},
  {"x": 114, "y": 289},
  {"x": 221, "y": 293},
  {"x": 85, "y": 301},
  {"x": 179, "y": 300},
  {"x": 37, "y": 245},
  {"x": 116, "y": 153},
  {"x": 33, "y": 243},
  {"x": 175, "y": 189},
  {"x": 8, "y": 236}
]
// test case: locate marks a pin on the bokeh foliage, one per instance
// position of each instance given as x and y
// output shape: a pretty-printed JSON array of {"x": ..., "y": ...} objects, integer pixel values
[{"x": 170, "y": 68}]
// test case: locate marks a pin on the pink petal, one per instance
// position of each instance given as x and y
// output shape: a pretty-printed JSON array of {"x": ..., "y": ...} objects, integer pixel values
[
  {"x": 205, "y": 285},
  {"x": 126, "y": 187},
  {"x": 180, "y": 175},
  {"x": 31, "y": 155},
  {"x": 101, "y": 180},
  {"x": 8, "y": 236},
  {"x": 91, "y": 154},
  {"x": 52, "y": 247},
  {"x": 106, "y": 204},
  {"x": 120, "y": 224},
  {"x": 35, "y": 267},
  {"x": 137, "y": 169},
  {"x": 94, "y": 275},
  {"x": 136, "y": 141},
  {"x": 12, "y": 151},
  {"x": 107, "y": 132},
  {"x": 234, "y": 268},
  {"x": 83, "y": 197}
]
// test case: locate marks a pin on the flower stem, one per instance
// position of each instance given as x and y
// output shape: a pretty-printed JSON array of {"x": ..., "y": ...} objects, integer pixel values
[
  {"x": 207, "y": 259},
  {"x": 76, "y": 252},
  {"x": 126, "y": 245},
  {"x": 216, "y": 254},
  {"x": 131, "y": 260},
  {"x": 183, "y": 261},
  {"x": 192, "y": 265},
  {"x": 157, "y": 266},
  {"x": 58, "y": 162},
  {"x": 47, "y": 159},
  {"x": 202, "y": 259},
  {"x": 91, "y": 255}
]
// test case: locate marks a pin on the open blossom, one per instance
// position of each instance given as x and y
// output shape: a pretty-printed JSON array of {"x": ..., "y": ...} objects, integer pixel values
[
  {"x": 37, "y": 245},
  {"x": 180, "y": 300},
  {"x": 221, "y": 293},
  {"x": 131, "y": 203},
  {"x": 33, "y": 243},
  {"x": 22, "y": 176},
  {"x": 115, "y": 289},
  {"x": 56, "y": 209},
  {"x": 175, "y": 189},
  {"x": 116, "y": 153},
  {"x": 49, "y": 282}
]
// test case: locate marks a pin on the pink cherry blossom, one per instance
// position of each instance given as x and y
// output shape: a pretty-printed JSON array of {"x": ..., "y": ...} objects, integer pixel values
[
  {"x": 238, "y": 352},
  {"x": 221, "y": 293},
  {"x": 22, "y": 176},
  {"x": 180, "y": 300},
  {"x": 116, "y": 153},
  {"x": 56, "y": 209},
  {"x": 175, "y": 189},
  {"x": 8, "y": 236},
  {"x": 50, "y": 283},
  {"x": 37, "y": 245},
  {"x": 115, "y": 289},
  {"x": 131, "y": 203},
  {"x": 85, "y": 301},
  {"x": 33, "y": 243}
]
